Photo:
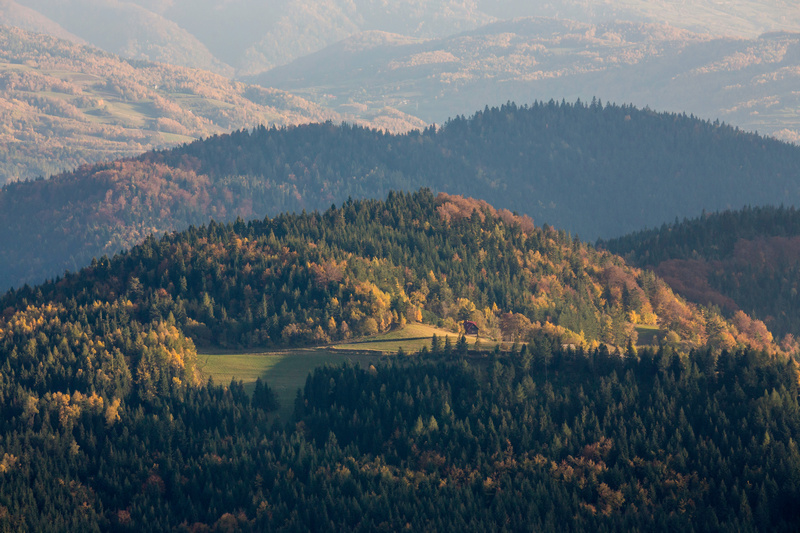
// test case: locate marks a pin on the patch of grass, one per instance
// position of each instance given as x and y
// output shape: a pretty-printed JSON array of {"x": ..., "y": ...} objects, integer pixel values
[
  {"x": 411, "y": 338},
  {"x": 648, "y": 335},
  {"x": 284, "y": 371},
  {"x": 72, "y": 76},
  {"x": 174, "y": 138},
  {"x": 131, "y": 112}
]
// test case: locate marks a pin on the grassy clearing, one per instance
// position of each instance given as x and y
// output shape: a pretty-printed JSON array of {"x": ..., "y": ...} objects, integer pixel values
[
  {"x": 135, "y": 114},
  {"x": 648, "y": 335},
  {"x": 284, "y": 371},
  {"x": 411, "y": 338},
  {"x": 74, "y": 77},
  {"x": 175, "y": 137}
]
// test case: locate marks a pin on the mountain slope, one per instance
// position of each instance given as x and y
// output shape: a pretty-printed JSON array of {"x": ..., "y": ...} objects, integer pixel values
[
  {"x": 13, "y": 14},
  {"x": 595, "y": 170},
  {"x": 742, "y": 18},
  {"x": 372, "y": 265},
  {"x": 66, "y": 104},
  {"x": 738, "y": 260},
  {"x": 311, "y": 26},
  {"x": 128, "y": 30}
]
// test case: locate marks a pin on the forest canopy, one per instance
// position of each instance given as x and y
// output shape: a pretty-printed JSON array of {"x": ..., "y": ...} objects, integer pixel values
[{"x": 108, "y": 422}]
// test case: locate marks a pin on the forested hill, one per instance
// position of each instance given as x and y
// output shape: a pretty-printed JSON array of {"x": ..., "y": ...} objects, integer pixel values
[
  {"x": 593, "y": 170},
  {"x": 747, "y": 259},
  {"x": 107, "y": 424},
  {"x": 372, "y": 265}
]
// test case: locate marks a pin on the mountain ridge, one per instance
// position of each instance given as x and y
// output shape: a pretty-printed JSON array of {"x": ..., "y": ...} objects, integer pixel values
[{"x": 569, "y": 165}]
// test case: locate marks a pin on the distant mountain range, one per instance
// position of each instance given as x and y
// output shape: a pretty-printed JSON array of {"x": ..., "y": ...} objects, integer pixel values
[
  {"x": 251, "y": 36},
  {"x": 750, "y": 83},
  {"x": 66, "y": 104},
  {"x": 736, "y": 61},
  {"x": 241, "y": 36},
  {"x": 591, "y": 169}
]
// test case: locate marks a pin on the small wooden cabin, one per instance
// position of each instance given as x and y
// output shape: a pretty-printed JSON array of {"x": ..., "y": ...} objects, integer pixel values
[{"x": 470, "y": 327}]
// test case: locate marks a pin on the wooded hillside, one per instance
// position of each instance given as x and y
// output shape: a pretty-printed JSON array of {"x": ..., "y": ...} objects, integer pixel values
[
  {"x": 590, "y": 169},
  {"x": 107, "y": 422},
  {"x": 372, "y": 265},
  {"x": 747, "y": 259}
]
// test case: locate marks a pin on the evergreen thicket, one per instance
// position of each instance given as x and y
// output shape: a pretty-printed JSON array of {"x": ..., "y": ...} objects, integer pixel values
[{"x": 657, "y": 442}]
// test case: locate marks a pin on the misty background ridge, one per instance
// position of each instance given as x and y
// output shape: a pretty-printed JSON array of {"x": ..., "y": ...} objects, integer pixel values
[
  {"x": 248, "y": 36},
  {"x": 400, "y": 65}
]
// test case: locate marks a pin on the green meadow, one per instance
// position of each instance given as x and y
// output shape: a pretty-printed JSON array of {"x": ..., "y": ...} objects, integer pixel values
[
  {"x": 411, "y": 338},
  {"x": 285, "y": 371},
  {"x": 648, "y": 335}
]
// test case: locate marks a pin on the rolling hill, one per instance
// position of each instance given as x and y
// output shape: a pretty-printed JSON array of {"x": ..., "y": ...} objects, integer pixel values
[
  {"x": 372, "y": 265},
  {"x": 591, "y": 169}
]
